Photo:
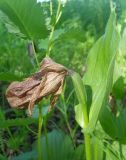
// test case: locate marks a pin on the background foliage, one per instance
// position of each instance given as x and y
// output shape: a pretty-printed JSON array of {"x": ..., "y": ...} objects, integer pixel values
[{"x": 25, "y": 28}]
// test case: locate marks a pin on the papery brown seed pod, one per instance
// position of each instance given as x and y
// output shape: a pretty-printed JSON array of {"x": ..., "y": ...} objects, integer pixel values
[{"x": 47, "y": 81}]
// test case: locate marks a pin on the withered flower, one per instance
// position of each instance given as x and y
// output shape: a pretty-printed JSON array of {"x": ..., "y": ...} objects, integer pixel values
[{"x": 47, "y": 81}]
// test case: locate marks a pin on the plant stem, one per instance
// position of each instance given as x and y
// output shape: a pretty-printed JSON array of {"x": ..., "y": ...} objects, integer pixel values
[
  {"x": 39, "y": 133},
  {"x": 96, "y": 149},
  {"x": 47, "y": 144},
  {"x": 81, "y": 95},
  {"x": 70, "y": 130},
  {"x": 87, "y": 138},
  {"x": 50, "y": 42},
  {"x": 40, "y": 118},
  {"x": 58, "y": 14},
  {"x": 87, "y": 146},
  {"x": 35, "y": 54}
]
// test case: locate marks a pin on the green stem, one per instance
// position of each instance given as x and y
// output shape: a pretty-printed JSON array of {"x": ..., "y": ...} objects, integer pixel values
[
  {"x": 35, "y": 54},
  {"x": 39, "y": 133},
  {"x": 87, "y": 146},
  {"x": 35, "y": 133},
  {"x": 40, "y": 118},
  {"x": 81, "y": 95},
  {"x": 96, "y": 149},
  {"x": 70, "y": 130},
  {"x": 47, "y": 144},
  {"x": 87, "y": 137},
  {"x": 50, "y": 42},
  {"x": 58, "y": 14}
]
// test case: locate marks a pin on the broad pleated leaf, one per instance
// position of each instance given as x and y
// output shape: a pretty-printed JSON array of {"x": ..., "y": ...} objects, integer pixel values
[
  {"x": 59, "y": 147},
  {"x": 27, "y": 16},
  {"x": 100, "y": 66},
  {"x": 116, "y": 128}
]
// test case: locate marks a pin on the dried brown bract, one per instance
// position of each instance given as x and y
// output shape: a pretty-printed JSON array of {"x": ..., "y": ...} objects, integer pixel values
[{"x": 48, "y": 81}]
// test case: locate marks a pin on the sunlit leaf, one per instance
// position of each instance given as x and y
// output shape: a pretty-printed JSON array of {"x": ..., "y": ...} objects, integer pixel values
[
  {"x": 79, "y": 115},
  {"x": 27, "y": 16},
  {"x": 100, "y": 66}
]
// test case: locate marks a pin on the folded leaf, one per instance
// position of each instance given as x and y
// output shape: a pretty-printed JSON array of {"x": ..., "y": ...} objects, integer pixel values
[
  {"x": 100, "y": 66},
  {"x": 79, "y": 116}
]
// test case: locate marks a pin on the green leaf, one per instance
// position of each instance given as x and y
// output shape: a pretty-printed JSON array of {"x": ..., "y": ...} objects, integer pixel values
[
  {"x": 17, "y": 122},
  {"x": 45, "y": 111},
  {"x": 118, "y": 89},
  {"x": 122, "y": 45},
  {"x": 112, "y": 151},
  {"x": 58, "y": 33},
  {"x": 11, "y": 27},
  {"x": 105, "y": 117},
  {"x": 43, "y": 43},
  {"x": 79, "y": 153},
  {"x": 76, "y": 34},
  {"x": 27, "y": 16},
  {"x": 81, "y": 95},
  {"x": 3, "y": 157},
  {"x": 59, "y": 147},
  {"x": 79, "y": 88},
  {"x": 100, "y": 66},
  {"x": 32, "y": 155},
  {"x": 116, "y": 128},
  {"x": 10, "y": 77},
  {"x": 79, "y": 115},
  {"x": 97, "y": 148}
]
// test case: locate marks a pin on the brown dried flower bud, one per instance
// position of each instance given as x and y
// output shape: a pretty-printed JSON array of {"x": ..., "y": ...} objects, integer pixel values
[{"x": 48, "y": 81}]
